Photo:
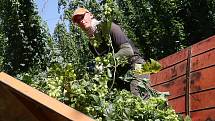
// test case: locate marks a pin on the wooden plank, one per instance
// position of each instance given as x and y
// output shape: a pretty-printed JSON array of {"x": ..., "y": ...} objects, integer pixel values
[
  {"x": 202, "y": 100},
  {"x": 203, "y": 46},
  {"x": 178, "y": 104},
  {"x": 203, "y": 79},
  {"x": 41, "y": 112},
  {"x": 175, "y": 88},
  {"x": 203, "y": 60},
  {"x": 43, "y": 99},
  {"x": 169, "y": 73},
  {"x": 203, "y": 115},
  {"x": 12, "y": 109},
  {"x": 174, "y": 58}
]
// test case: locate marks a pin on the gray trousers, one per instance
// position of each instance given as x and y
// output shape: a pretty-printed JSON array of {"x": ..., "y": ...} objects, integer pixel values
[{"x": 134, "y": 88}]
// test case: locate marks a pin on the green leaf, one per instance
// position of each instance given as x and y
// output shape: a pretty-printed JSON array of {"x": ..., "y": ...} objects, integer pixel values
[{"x": 187, "y": 118}]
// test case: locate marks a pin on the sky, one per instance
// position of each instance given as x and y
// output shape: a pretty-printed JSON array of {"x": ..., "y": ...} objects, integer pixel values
[{"x": 49, "y": 13}]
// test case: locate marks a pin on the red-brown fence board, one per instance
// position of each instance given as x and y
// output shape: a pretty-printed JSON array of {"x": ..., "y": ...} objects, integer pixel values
[
  {"x": 204, "y": 60},
  {"x": 181, "y": 56},
  {"x": 202, "y": 79},
  {"x": 204, "y": 45},
  {"x": 169, "y": 73},
  {"x": 176, "y": 87},
  {"x": 203, "y": 115},
  {"x": 178, "y": 104},
  {"x": 189, "y": 76},
  {"x": 202, "y": 100}
]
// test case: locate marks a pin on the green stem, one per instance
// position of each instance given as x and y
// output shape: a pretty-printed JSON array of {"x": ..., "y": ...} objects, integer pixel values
[{"x": 115, "y": 65}]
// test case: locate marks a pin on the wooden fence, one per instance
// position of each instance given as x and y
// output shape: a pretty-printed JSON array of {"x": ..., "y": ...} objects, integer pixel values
[{"x": 189, "y": 76}]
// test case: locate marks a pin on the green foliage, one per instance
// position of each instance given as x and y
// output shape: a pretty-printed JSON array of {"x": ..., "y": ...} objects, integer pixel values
[
  {"x": 187, "y": 118},
  {"x": 162, "y": 27},
  {"x": 72, "y": 45},
  {"x": 149, "y": 67},
  {"x": 154, "y": 25},
  {"x": 26, "y": 38},
  {"x": 89, "y": 93},
  {"x": 198, "y": 17},
  {"x": 3, "y": 45}
]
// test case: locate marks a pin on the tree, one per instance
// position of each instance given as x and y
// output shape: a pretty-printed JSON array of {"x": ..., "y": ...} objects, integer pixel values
[
  {"x": 162, "y": 27},
  {"x": 3, "y": 44},
  {"x": 199, "y": 19},
  {"x": 26, "y": 36},
  {"x": 73, "y": 45},
  {"x": 158, "y": 27},
  {"x": 155, "y": 25}
]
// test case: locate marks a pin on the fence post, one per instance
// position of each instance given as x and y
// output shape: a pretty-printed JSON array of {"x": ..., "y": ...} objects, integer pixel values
[{"x": 187, "y": 95}]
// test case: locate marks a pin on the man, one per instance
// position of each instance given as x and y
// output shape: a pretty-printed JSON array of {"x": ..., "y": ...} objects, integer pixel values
[{"x": 121, "y": 44}]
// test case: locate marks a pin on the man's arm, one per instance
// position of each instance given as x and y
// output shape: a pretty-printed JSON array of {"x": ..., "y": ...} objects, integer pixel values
[
  {"x": 125, "y": 50},
  {"x": 120, "y": 41}
]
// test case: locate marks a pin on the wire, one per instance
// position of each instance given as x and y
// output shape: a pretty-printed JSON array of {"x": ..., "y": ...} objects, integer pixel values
[
  {"x": 44, "y": 5},
  {"x": 50, "y": 19}
]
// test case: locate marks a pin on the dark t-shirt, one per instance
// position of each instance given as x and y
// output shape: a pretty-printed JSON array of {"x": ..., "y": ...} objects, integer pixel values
[{"x": 118, "y": 38}]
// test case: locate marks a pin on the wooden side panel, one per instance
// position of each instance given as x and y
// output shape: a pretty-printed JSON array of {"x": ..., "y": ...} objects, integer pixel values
[
  {"x": 178, "y": 104},
  {"x": 169, "y": 73},
  {"x": 203, "y": 46},
  {"x": 174, "y": 58},
  {"x": 203, "y": 115},
  {"x": 172, "y": 79},
  {"x": 202, "y": 100},
  {"x": 203, "y": 79},
  {"x": 204, "y": 60},
  {"x": 200, "y": 78},
  {"x": 176, "y": 87}
]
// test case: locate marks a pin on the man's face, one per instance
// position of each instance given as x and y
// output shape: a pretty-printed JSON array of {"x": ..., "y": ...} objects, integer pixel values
[{"x": 84, "y": 20}]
